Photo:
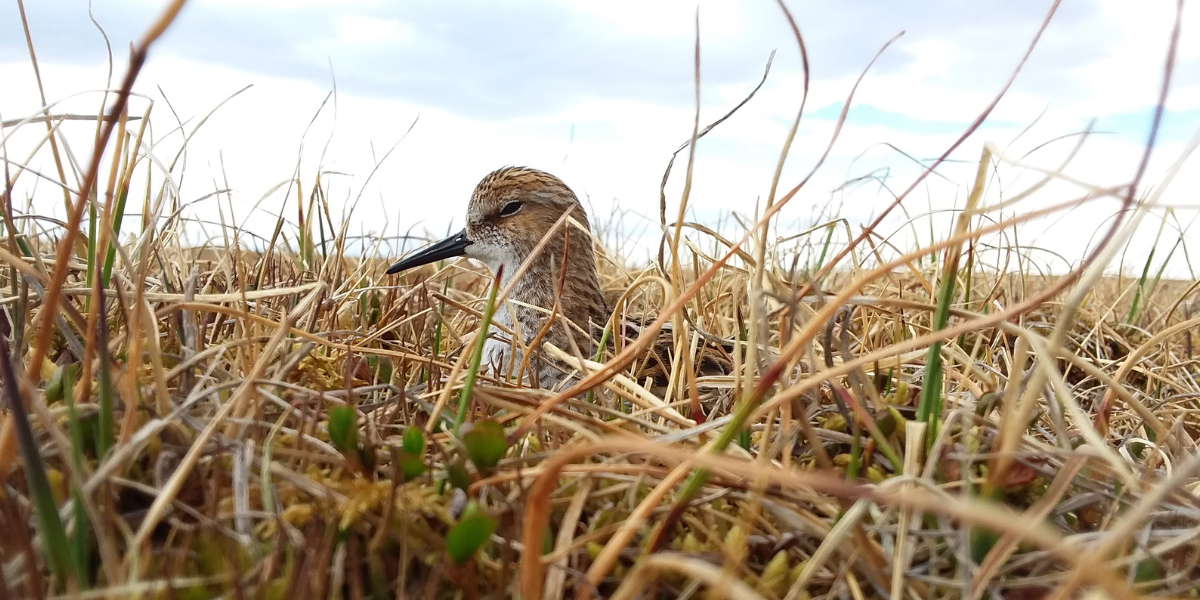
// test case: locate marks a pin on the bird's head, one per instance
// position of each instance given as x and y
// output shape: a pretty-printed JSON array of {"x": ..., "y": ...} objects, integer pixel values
[{"x": 509, "y": 213}]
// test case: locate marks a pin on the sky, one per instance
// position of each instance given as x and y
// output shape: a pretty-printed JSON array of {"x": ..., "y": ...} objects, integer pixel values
[{"x": 402, "y": 107}]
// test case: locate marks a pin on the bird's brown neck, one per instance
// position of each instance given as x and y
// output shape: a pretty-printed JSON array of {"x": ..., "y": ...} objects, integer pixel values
[{"x": 576, "y": 288}]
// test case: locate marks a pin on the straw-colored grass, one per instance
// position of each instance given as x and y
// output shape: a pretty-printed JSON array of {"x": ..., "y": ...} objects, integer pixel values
[{"x": 289, "y": 422}]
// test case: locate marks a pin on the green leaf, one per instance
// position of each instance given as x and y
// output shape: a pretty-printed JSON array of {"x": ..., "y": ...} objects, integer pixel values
[
  {"x": 458, "y": 476},
  {"x": 410, "y": 456},
  {"x": 470, "y": 510},
  {"x": 374, "y": 314},
  {"x": 470, "y": 534},
  {"x": 54, "y": 387},
  {"x": 413, "y": 441},
  {"x": 982, "y": 541},
  {"x": 1148, "y": 570},
  {"x": 411, "y": 466},
  {"x": 485, "y": 443},
  {"x": 366, "y": 457},
  {"x": 380, "y": 367},
  {"x": 743, "y": 439},
  {"x": 343, "y": 431}
]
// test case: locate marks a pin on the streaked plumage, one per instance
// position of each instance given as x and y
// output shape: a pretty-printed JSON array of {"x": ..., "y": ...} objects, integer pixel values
[{"x": 509, "y": 213}]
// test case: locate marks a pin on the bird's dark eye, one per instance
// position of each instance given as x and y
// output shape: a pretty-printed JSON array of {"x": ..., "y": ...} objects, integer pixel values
[{"x": 509, "y": 209}]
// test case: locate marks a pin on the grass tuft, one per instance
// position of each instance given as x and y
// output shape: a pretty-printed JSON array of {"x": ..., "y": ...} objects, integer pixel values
[{"x": 270, "y": 417}]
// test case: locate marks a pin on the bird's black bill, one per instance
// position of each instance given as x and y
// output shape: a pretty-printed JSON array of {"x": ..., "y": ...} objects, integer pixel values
[{"x": 455, "y": 245}]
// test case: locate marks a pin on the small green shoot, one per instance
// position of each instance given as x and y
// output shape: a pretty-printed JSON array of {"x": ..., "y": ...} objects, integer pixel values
[
  {"x": 458, "y": 476},
  {"x": 343, "y": 431},
  {"x": 485, "y": 444},
  {"x": 471, "y": 532},
  {"x": 410, "y": 457}
]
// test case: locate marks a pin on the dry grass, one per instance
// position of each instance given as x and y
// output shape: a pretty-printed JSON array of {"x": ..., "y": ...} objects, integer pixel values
[{"x": 893, "y": 428}]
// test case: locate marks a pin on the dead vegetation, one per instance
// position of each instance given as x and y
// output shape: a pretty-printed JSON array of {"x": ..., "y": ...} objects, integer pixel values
[{"x": 290, "y": 423}]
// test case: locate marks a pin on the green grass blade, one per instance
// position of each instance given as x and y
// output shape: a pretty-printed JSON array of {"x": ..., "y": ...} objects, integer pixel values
[
  {"x": 929, "y": 409},
  {"x": 54, "y": 535},
  {"x": 321, "y": 231},
  {"x": 1140, "y": 293},
  {"x": 79, "y": 539},
  {"x": 104, "y": 436},
  {"x": 464, "y": 397},
  {"x": 591, "y": 395},
  {"x": 825, "y": 247},
  {"x": 1135, "y": 306},
  {"x": 118, "y": 216},
  {"x": 437, "y": 331},
  {"x": 91, "y": 253}
]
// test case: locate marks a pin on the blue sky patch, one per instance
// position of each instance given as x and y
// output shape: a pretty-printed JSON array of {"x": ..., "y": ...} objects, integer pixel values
[
  {"x": 867, "y": 115},
  {"x": 1177, "y": 125}
]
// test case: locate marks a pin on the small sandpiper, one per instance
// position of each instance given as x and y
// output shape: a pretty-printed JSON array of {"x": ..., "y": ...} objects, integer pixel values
[{"x": 510, "y": 212}]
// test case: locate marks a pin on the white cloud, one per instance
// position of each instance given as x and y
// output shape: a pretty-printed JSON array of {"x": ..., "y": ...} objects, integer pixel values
[
  {"x": 605, "y": 116},
  {"x": 362, "y": 30},
  {"x": 282, "y": 4}
]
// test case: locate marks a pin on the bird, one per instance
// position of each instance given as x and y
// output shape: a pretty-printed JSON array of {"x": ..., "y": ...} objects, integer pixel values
[{"x": 509, "y": 213}]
